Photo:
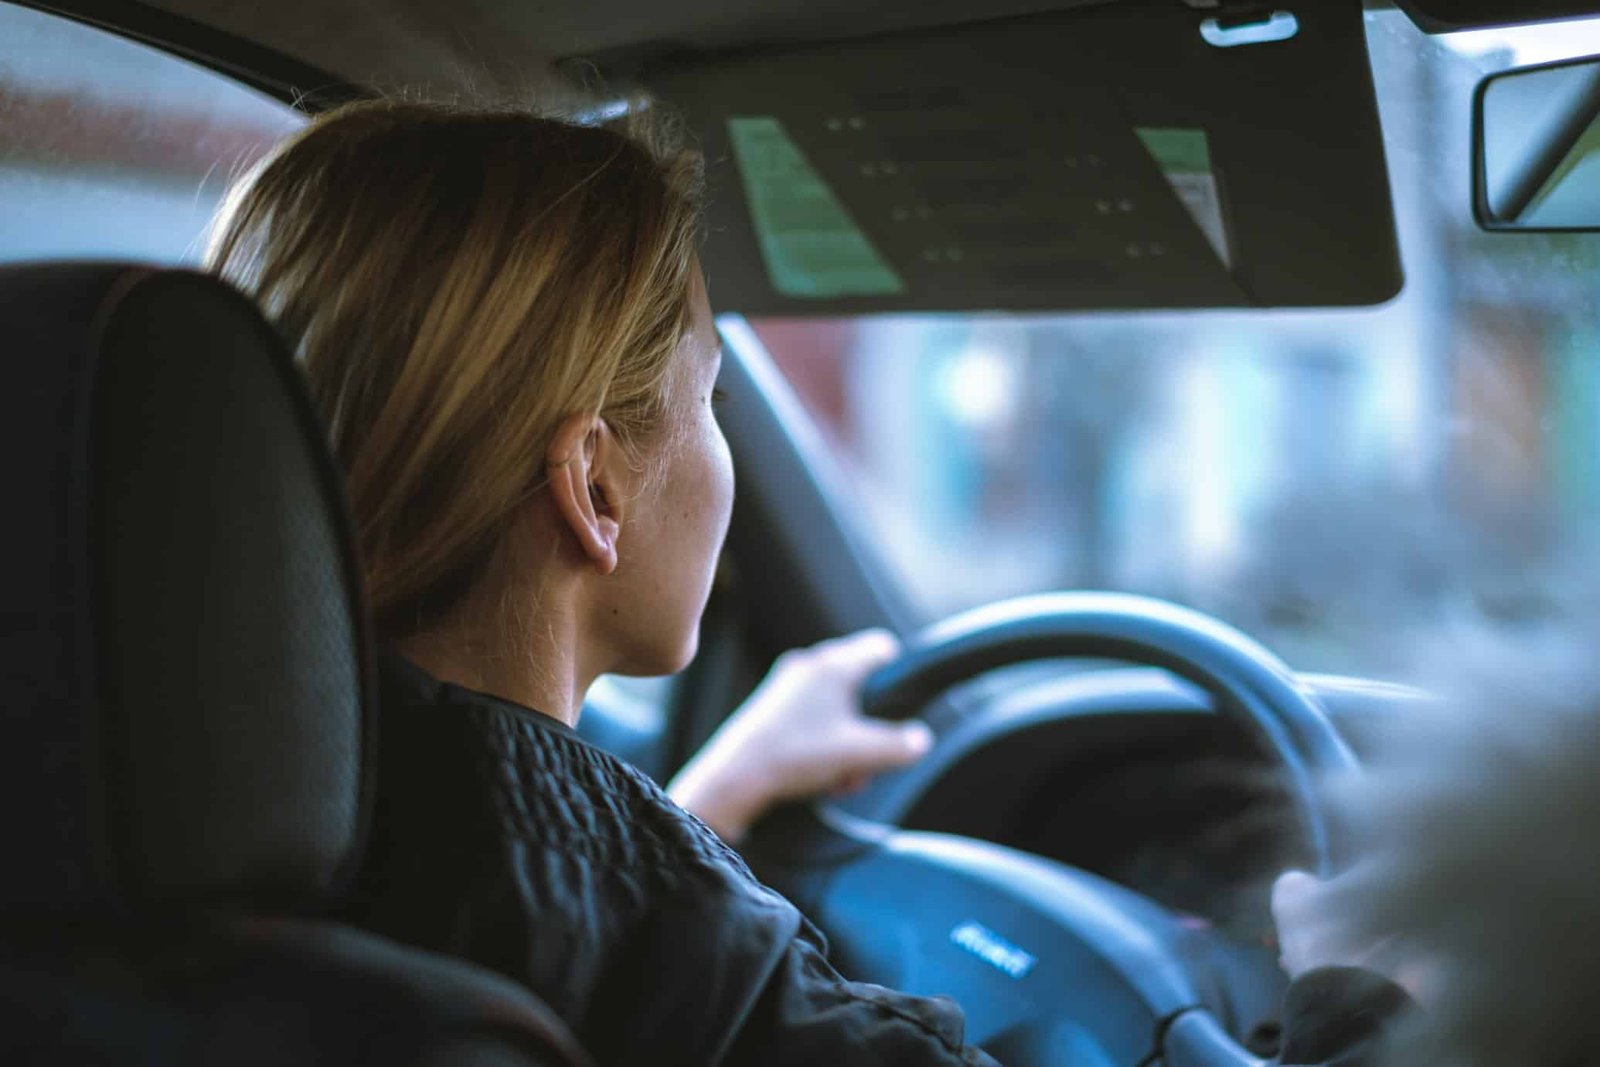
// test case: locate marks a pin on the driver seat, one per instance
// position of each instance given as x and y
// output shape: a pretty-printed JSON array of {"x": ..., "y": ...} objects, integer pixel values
[{"x": 186, "y": 707}]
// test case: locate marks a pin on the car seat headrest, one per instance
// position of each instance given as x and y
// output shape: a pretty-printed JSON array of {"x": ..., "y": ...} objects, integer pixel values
[{"x": 184, "y": 674}]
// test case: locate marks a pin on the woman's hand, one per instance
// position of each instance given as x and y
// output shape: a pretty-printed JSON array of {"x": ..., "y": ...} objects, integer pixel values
[
  {"x": 1307, "y": 912},
  {"x": 1308, "y": 935},
  {"x": 801, "y": 733}
]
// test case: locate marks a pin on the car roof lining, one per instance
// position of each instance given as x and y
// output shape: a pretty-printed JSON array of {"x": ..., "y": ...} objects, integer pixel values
[{"x": 510, "y": 50}]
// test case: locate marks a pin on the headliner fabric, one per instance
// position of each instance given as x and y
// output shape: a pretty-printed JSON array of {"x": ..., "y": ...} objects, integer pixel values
[
  {"x": 182, "y": 658},
  {"x": 505, "y": 49}
]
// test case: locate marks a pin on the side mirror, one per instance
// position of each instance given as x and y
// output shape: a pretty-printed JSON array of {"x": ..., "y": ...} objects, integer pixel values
[{"x": 1536, "y": 153}]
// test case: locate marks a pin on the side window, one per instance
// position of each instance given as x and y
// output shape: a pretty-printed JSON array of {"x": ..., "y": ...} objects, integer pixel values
[{"x": 110, "y": 149}]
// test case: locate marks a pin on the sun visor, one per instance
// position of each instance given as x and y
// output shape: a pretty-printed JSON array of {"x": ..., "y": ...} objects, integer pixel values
[{"x": 1126, "y": 156}]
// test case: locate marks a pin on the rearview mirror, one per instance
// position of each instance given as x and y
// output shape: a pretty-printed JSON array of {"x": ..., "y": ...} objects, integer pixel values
[{"x": 1536, "y": 159}]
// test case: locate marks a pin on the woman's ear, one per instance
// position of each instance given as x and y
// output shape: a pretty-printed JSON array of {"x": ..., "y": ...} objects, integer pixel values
[{"x": 583, "y": 464}]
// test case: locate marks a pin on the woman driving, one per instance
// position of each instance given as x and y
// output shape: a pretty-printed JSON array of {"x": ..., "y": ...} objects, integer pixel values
[{"x": 504, "y": 322}]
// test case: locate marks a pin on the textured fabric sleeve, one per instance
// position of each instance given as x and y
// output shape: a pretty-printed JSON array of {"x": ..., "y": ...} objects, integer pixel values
[
  {"x": 1339, "y": 1016},
  {"x": 809, "y": 1014}
]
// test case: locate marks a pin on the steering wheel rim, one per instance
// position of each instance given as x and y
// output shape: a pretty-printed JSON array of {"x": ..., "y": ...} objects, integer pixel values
[
  {"x": 893, "y": 902},
  {"x": 1250, "y": 685}
]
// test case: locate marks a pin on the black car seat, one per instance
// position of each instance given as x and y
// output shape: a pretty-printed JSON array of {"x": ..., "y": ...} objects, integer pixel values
[{"x": 186, "y": 714}]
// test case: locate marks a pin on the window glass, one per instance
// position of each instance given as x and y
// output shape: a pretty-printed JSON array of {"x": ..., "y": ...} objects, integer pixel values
[
  {"x": 1327, "y": 480},
  {"x": 112, "y": 149}
]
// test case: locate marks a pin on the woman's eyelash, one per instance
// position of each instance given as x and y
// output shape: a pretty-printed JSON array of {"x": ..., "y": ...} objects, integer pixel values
[{"x": 718, "y": 396}]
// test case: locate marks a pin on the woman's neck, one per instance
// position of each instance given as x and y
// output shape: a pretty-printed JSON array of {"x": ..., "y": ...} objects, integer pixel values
[{"x": 530, "y": 659}]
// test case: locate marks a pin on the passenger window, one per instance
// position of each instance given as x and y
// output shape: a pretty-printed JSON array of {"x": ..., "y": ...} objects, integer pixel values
[{"x": 111, "y": 149}]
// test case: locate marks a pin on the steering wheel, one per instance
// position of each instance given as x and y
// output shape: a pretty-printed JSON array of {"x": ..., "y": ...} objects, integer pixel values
[{"x": 1051, "y": 964}]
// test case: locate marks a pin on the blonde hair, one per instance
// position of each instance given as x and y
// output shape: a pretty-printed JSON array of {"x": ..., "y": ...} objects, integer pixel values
[{"x": 455, "y": 283}]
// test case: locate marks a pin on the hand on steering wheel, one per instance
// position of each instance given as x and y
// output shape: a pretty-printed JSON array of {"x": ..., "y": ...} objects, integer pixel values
[{"x": 800, "y": 734}]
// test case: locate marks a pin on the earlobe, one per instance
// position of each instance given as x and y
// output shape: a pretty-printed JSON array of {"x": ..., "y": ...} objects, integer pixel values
[
  {"x": 610, "y": 530},
  {"x": 606, "y": 528}
]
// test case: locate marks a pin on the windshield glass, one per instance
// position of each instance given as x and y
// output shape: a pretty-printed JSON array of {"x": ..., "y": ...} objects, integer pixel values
[{"x": 1326, "y": 480}]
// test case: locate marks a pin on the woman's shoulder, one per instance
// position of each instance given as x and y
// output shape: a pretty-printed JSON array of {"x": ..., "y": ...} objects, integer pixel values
[
  {"x": 544, "y": 786},
  {"x": 505, "y": 838}
]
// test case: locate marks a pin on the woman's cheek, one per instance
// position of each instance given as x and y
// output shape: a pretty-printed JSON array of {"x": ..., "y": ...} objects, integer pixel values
[{"x": 724, "y": 475}]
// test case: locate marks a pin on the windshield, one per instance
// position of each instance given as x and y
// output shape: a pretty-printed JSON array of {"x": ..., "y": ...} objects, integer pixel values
[{"x": 1325, "y": 480}]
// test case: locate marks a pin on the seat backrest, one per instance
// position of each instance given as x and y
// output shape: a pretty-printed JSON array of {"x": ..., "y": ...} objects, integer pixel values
[{"x": 186, "y": 721}]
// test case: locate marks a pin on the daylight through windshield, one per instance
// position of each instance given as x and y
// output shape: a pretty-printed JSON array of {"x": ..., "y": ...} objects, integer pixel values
[{"x": 1325, "y": 480}]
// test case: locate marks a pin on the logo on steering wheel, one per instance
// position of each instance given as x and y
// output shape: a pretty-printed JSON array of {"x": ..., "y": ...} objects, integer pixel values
[{"x": 993, "y": 949}]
